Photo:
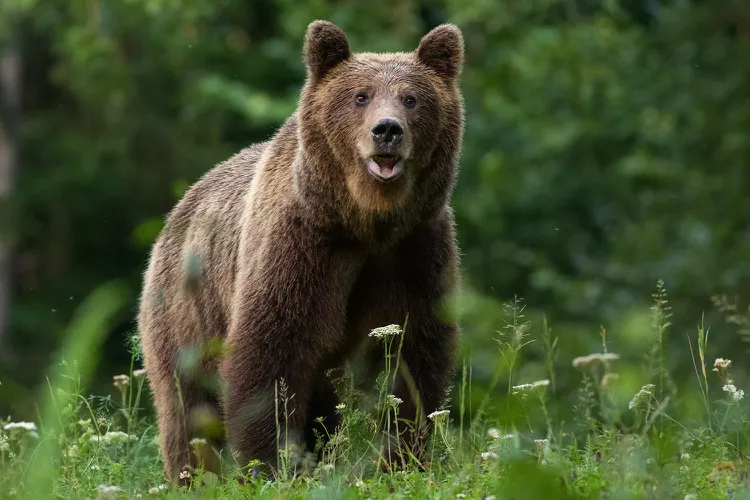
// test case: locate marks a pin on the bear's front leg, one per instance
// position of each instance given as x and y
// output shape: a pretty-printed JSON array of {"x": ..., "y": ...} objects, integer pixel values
[
  {"x": 288, "y": 316},
  {"x": 426, "y": 268}
]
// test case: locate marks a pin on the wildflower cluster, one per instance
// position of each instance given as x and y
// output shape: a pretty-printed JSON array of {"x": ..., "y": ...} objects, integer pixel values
[
  {"x": 21, "y": 430},
  {"x": 121, "y": 381},
  {"x": 734, "y": 393},
  {"x": 393, "y": 401},
  {"x": 524, "y": 390},
  {"x": 115, "y": 438},
  {"x": 722, "y": 365},
  {"x": 439, "y": 416},
  {"x": 642, "y": 397},
  {"x": 385, "y": 332},
  {"x": 591, "y": 360}
]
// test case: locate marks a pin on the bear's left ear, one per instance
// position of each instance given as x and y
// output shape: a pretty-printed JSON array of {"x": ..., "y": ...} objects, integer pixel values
[
  {"x": 325, "y": 47},
  {"x": 442, "y": 49}
]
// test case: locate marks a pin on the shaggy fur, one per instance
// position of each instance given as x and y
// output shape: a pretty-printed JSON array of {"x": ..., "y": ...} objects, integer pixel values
[{"x": 291, "y": 251}]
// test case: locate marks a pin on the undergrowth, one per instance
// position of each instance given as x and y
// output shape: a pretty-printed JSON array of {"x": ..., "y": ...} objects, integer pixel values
[{"x": 636, "y": 445}]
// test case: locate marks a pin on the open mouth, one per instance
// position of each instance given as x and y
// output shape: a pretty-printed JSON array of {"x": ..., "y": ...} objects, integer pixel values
[{"x": 385, "y": 168}]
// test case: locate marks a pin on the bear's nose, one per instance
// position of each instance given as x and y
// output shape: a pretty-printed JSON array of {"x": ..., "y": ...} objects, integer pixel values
[{"x": 387, "y": 132}]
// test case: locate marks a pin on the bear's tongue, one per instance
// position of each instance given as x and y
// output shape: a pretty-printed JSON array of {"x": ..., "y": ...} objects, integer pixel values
[{"x": 386, "y": 163}]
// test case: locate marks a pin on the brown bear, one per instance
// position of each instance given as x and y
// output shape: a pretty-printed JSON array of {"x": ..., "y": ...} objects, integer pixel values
[{"x": 294, "y": 249}]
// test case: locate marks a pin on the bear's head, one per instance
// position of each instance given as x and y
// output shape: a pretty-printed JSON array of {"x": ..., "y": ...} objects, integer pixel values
[{"x": 386, "y": 128}]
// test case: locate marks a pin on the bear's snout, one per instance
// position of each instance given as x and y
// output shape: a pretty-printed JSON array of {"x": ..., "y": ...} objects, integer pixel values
[{"x": 387, "y": 133}]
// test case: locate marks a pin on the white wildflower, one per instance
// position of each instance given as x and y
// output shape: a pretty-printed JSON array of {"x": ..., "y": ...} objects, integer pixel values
[
  {"x": 493, "y": 433},
  {"x": 185, "y": 474},
  {"x": 340, "y": 406},
  {"x": 393, "y": 400},
  {"x": 734, "y": 393},
  {"x": 25, "y": 426},
  {"x": 198, "y": 442},
  {"x": 489, "y": 455},
  {"x": 642, "y": 396},
  {"x": 583, "y": 362},
  {"x": 722, "y": 364},
  {"x": 115, "y": 438},
  {"x": 139, "y": 374},
  {"x": 525, "y": 389},
  {"x": 121, "y": 381},
  {"x": 94, "y": 467},
  {"x": 541, "y": 443},
  {"x": 157, "y": 489},
  {"x": 436, "y": 416},
  {"x": 385, "y": 332},
  {"x": 360, "y": 483},
  {"x": 460, "y": 496},
  {"x": 685, "y": 456}
]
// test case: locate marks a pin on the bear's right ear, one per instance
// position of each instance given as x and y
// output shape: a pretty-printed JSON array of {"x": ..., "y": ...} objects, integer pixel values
[{"x": 325, "y": 47}]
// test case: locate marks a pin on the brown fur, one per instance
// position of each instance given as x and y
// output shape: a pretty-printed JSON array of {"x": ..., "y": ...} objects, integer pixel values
[{"x": 291, "y": 252}]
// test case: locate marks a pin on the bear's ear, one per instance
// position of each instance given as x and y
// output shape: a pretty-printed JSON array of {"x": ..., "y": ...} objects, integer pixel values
[
  {"x": 442, "y": 49},
  {"x": 325, "y": 47}
]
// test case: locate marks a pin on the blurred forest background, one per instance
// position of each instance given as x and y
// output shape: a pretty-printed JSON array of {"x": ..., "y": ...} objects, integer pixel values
[{"x": 607, "y": 146}]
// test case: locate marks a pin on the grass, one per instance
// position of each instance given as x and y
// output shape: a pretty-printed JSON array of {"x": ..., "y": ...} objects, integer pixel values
[{"x": 620, "y": 444}]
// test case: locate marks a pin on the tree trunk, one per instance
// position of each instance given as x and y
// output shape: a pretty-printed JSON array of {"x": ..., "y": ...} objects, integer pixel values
[{"x": 10, "y": 104}]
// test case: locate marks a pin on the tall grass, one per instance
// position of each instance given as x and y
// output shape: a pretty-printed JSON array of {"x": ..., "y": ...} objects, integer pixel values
[{"x": 637, "y": 444}]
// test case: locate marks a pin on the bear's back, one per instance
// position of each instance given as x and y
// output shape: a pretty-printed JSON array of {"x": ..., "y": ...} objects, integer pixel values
[{"x": 194, "y": 259}]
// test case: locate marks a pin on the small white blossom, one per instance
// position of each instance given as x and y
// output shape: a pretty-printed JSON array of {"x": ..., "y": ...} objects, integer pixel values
[
  {"x": 493, "y": 433},
  {"x": 584, "y": 362},
  {"x": 385, "y": 332},
  {"x": 489, "y": 455},
  {"x": 157, "y": 489},
  {"x": 121, "y": 381},
  {"x": 393, "y": 400},
  {"x": 340, "y": 406},
  {"x": 185, "y": 474},
  {"x": 436, "y": 416},
  {"x": 140, "y": 373},
  {"x": 722, "y": 364},
  {"x": 541, "y": 443},
  {"x": 642, "y": 396},
  {"x": 460, "y": 496},
  {"x": 198, "y": 442},
  {"x": 734, "y": 393},
  {"x": 94, "y": 467},
  {"x": 685, "y": 456}
]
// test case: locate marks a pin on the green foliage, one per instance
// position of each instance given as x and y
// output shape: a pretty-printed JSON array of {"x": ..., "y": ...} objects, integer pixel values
[{"x": 88, "y": 446}]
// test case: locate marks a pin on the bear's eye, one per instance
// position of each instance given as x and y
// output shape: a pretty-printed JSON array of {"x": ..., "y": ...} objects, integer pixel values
[
  {"x": 410, "y": 101},
  {"x": 362, "y": 98}
]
